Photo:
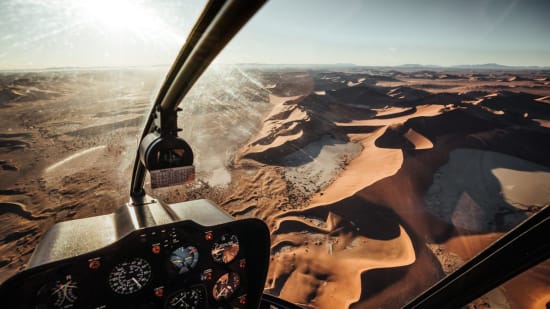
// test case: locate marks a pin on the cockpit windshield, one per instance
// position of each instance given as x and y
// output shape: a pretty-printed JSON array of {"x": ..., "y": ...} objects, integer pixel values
[
  {"x": 385, "y": 144},
  {"x": 77, "y": 82}
]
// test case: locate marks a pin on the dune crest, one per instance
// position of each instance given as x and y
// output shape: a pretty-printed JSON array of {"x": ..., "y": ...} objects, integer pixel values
[
  {"x": 362, "y": 171},
  {"x": 419, "y": 141}
]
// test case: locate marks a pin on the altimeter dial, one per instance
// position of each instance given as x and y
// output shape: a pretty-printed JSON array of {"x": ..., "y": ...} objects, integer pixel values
[{"x": 130, "y": 276}]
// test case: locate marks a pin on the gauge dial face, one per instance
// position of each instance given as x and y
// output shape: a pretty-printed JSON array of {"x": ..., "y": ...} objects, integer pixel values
[
  {"x": 186, "y": 298},
  {"x": 61, "y": 294},
  {"x": 225, "y": 286},
  {"x": 130, "y": 276},
  {"x": 185, "y": 258},
  {"x": 226, "y": 249}
]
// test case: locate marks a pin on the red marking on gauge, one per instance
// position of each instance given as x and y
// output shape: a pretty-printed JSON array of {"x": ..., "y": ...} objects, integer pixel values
[
  {"x": 242, "y": 300},
  {"x": 159, "y": 292},
  {"x": 156, "y": 249},
  {"x": 95, "y": 264},
  {"x": 208, "y": 236}
]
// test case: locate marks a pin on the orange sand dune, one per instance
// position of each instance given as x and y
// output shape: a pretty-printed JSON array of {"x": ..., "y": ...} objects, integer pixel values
[
  {"x": 318, "y": 277},
  {"x": 315, "y": 264},
  {"x": 468, "y": 246},
  {"x": 380, "y": 194},
  {"x": 340, "y": 201},
  {"x": 392, "y": 112},
  {"x": 399, "y": 184},
  {"x": 413, "y": 143},
  {"x": 422, "y": 111},
  {"x": 282, "y": 115},
  {"x": 362, "y": 171},
  {"x": 419, "y": 140},
  {"x": 366, "y": 169},
  {"x": 530, "y": 290},
  {"x": 543, "y": 123},
  {"x": 545, "y": 99}
]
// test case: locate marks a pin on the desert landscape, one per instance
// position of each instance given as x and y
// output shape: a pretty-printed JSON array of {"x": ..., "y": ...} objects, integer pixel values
[{"x": 374, "y": 182}]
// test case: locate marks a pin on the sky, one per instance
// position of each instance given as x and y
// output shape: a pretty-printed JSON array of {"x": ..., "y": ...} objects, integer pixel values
[
  {"x": 93, "y": 33},
  {"x": 81, "y": 33}
]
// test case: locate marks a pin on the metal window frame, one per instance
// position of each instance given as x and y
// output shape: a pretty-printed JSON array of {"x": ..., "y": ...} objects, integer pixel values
[
  {"x": 523, "y": 247},
  {"x": 217, "y": 25}
]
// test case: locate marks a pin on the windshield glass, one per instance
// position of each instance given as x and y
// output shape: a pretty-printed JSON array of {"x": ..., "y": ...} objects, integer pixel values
[
  {"x": 384, "y": 143},
  {"x": 77, "y": 80}
]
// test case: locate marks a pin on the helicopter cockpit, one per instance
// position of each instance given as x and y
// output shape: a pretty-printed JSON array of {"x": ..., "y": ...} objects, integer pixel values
[
  {"x": 150, "y": 253},
  {"x": 187, "y": 255}
]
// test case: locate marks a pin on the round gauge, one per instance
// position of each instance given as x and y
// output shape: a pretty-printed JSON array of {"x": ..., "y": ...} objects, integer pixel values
[
  {"x": 226, "y": 249},
  {"x": 61, "y": 294},
  {"x": 130, "y": 276},
  {"x": 186, "y": 298},
  {"x": 185, "y": 258},
  {"x": 225, "y": 286}
]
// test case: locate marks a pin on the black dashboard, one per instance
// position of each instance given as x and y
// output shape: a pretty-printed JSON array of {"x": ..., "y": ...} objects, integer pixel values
[{"x": 157, "y": 256}]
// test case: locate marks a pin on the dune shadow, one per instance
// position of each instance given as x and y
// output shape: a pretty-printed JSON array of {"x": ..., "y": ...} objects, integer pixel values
[
  {"x": 13, "y": 144},
  {"x": 470, "y": 190},
  {"x": 309, "y": 153},
  {"x": 12, "y": 135},
  {"x": 394, "y": 137},
  {"x": 522, "y": 104},
  {"x": 375, "y": 281},
  {"x": 353, "y": 214},
  {"x": 406, "y": 112}
]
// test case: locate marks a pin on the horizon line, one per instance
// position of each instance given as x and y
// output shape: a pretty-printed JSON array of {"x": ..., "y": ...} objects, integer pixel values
[{"x": 339, "y": 64}]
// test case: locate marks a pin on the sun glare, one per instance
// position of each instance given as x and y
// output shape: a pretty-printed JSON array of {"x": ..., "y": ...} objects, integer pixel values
[{"x": 120, "y": 15}]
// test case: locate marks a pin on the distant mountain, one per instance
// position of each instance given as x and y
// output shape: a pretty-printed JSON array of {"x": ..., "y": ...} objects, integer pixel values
[
  {"x": 297, "y": 65},
  {"x": 496, "y": 66},
  {"x": 418, "y": 66},
  {"x": 485, "y": 66},
  {"x": 412, "y": 66}
]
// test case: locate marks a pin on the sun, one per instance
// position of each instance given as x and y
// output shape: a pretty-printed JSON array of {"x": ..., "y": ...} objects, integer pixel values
[{"x": 119, "y": 15}]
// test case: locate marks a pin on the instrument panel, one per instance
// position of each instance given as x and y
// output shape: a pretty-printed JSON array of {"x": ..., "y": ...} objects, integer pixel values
[{"x": 175, "y": 265}]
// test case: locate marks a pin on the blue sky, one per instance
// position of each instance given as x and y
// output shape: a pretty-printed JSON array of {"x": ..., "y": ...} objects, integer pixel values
[
  {"x": 390, "y": 32},
  {"x": 35, "y": 34}
]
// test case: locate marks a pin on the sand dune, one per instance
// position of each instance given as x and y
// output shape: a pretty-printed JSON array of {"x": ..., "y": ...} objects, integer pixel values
[
  {"x": 364, "y": 170},
  {"x": 545, "y": 99},
  {"x": 530, "y": 289},
  {"x": 422, "y": 111},
  {"x": 519, "y": 104},
  {"x": 419, "y": 141},
  {"x": 543, "y": 123},
  {"x": 64, "y": 154},
  {"x": 392, "y": 112},
  {"x": 413, "y": 144},
  {"x": 333, "y": 251},
  {"x": 479, "y": 190}
]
